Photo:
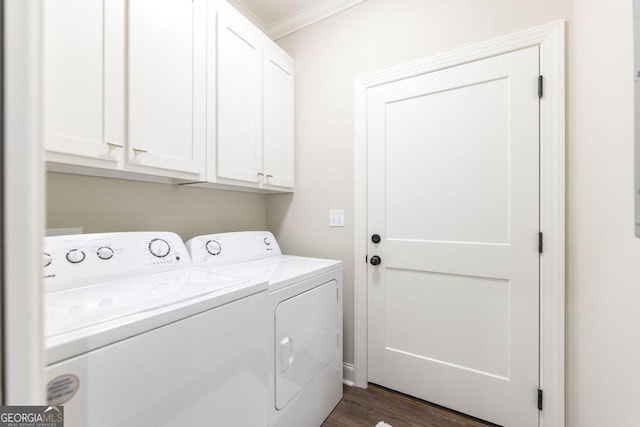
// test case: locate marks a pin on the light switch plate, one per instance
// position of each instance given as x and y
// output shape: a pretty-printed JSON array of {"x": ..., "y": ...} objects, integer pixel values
[{"x": 336, "y": 218}]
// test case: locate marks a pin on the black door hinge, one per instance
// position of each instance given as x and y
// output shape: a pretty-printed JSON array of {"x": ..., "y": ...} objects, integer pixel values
[
  {"x": 540, "y": 240},
  {"x": 540, "y": 399},
  {"x": 540, "y": 86}
]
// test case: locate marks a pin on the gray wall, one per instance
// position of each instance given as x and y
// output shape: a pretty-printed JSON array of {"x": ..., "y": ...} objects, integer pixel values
[
  {"x": 103, "y": 204},
  {"x": 603, "y": 343}
]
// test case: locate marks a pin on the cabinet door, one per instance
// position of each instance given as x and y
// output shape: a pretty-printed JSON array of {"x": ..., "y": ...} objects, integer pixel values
[
  {"x": 239, "y": 112},
  {"x": 166, "y": 92},
  {"x": 278, "y": 117},
  {"x": 83, "y": 81}
]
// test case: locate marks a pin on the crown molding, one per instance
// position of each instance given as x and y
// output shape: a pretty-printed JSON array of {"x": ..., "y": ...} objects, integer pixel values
[
  {"x": 309, "y": 15},
  {"x": 239, "y": 5},
  {"x": 317, "y": 11}
]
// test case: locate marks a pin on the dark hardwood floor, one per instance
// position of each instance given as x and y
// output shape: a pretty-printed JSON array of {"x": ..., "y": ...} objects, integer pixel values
[{"x": 366, "y": 408}]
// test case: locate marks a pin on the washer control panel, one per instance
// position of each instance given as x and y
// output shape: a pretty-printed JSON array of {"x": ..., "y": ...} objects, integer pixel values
[
  {"x": 85, "y": 259},
  {"x": 226, "y": 248}
]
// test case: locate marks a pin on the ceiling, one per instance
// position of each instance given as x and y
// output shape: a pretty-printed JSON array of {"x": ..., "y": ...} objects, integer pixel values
[{"x": 277, "y": 18}]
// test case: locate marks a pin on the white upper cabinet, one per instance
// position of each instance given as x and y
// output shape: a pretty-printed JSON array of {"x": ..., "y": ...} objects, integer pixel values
[
  {"x": 182, "y": 91},
  {"x": 124, "y": 86},
  {"x": 166, "y": 82},
  {"x": 238, "y": 92},
  {"x": 277, "y": 102},
  {"x": 77, "y": 119},
  {"x": 253, "y": 106}
]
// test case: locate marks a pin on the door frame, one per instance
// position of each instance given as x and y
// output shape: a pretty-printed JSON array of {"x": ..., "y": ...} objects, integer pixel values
[
  {"x": 550, "y": 39},
  {"x": 24, "y": 216},
  {"x": 24, "y": 204}
]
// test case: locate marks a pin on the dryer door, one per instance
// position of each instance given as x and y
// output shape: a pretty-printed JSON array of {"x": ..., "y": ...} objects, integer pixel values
[{"x": 306, "y": 334}]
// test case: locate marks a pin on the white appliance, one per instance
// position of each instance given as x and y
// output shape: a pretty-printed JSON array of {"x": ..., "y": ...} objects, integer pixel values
[
  {"x": 136, "y": 337},
  {"x": 304, "y": 320}
]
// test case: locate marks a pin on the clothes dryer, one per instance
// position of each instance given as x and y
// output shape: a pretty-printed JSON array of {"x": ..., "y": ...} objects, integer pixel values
[{"x": 304, "y": 320}]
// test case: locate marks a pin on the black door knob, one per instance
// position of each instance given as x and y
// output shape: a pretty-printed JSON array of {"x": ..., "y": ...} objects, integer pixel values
[
  {"x": 375, "y": 260},
  {"x": 375, "y": 238}
]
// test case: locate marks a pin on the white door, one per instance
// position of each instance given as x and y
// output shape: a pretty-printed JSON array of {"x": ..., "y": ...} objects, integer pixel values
[
  {"x": 166, "y": 87},
  {"x": 454, "y": 194}
]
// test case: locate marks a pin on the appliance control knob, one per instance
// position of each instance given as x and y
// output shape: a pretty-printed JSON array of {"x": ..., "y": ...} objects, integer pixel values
[
  {"x": 105, "y": 253},
  {"x": 213, "y": 247},
  {"x": 75, "y": 256},
  {"x": 159, "y": 248},
  {"x": 47, "y": 259},
  {"x": 267, "y": 241}
]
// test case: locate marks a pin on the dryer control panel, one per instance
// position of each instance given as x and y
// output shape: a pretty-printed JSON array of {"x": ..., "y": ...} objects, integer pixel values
[
  {"x": 226, "y": 248},
  {"x": 87, "y": 259}
]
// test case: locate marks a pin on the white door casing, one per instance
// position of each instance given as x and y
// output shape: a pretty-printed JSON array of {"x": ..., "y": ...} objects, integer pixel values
[
  {"x": 24, "y": 205},
  {"x": 549, "y": 40},
  {"x": 453, "y": 191}
]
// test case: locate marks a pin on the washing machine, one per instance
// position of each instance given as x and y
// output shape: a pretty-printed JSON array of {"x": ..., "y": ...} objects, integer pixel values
[
  {"x": 136, "y": 337},
  {"x": 304, "y": 320}
]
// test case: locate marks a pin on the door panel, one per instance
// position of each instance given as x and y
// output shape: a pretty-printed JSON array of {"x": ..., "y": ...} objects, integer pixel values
[
  {"x": 471, "y": 314},
  {"x": 437, "y": 124},
  {"x": 453, "y": 190}
]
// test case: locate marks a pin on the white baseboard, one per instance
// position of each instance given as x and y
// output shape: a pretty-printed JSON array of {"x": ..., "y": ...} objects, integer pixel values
[{"x": 348, "y": 373}]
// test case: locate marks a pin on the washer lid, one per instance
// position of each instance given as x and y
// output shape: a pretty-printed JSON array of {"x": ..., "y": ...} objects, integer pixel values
[
  {"x": 87, "y": 318},
  {"x": 83, "y": 307}
]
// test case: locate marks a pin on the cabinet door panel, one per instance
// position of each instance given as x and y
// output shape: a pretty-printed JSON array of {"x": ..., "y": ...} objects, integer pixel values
[
  {"x": 166, "y": 84},
  {"x": 277, "y": 134},
  {"x": 74, "y": 77},
  {"x": 238, "y": 99}
]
